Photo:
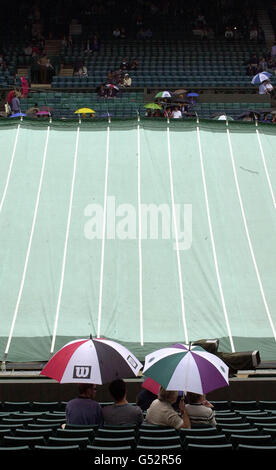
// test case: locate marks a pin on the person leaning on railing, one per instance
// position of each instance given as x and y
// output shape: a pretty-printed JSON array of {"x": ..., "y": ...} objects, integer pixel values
[{"x": 162, "y": 413}]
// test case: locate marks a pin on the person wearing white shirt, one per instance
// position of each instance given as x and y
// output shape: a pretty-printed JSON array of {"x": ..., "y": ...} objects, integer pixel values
[{"x": 176, "y": 114}]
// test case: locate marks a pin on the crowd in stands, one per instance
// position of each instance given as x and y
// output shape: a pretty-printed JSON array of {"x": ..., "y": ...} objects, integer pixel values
[{"x": 168, "y": 408}]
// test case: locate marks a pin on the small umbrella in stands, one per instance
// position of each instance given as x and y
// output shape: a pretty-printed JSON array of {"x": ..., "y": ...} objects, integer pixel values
[
  {"x": 43, "y": 113},
  {"x": 152, "y": 106},
  {"x": 17, "y": 115},
  {"x": 222, "y": 117},
  {"x": 84, "y": 111},
  {"x": 188, "y": 368},
  {"x": 260, "y": 78},
  {"x": 111, "y": 85},
  {"x": 180, "y": 92},
  {"x": 92, "y": 361},
  {"x": 163, "y": 94}
]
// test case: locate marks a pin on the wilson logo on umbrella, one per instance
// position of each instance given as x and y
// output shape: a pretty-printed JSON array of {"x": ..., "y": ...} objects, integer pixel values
[{"x": 82, "y": 372}]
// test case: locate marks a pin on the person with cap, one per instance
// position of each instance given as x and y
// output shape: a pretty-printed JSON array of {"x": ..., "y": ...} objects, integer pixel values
[
  {"x": 127, "y": 80},
  {"x": 84, "y": 409}
]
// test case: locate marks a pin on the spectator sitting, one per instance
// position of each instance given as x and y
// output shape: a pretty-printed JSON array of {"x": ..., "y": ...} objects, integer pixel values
[
  {"x": 82, "y": 72},
  {"x": 228, "y": 33},
  {"x": 200, "y": 411},
  {"x": 121, "y": 412},
  {"x": 253, "y": 34},
  {"x": 273, "y": 53},
  {"x": 262, "y": 65},
  {"x": 116, "y": 33},
  {"x": 15, "y": 104},
  {"x": 84, "y": 409},
  {"x": 50, "y": 71},
  {"x": 124, "y": 64},
  {"x": 134, "y": 64},
  {"x": 127, "y": 80},
  {"x": 123, "y": 33},
  {"x": 176, "y": 114},
  {"x": 265, "y": 88},
  {"x": 145, "y": 398},
  {"x": 28, "y": 50},
  {"x": 161, "y": 411},
  {"x": 168, "y": 112},
  {"x": 102, "y": 91},
  {"x": 24, "y": 87}
]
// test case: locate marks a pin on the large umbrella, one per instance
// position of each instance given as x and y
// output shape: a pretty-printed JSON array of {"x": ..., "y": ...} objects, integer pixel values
[
  {"x": 260, "y": 77},
  {"x": 187, "y": 368},
  {"x": 163, "y": 94},
  {"x": 152, "y": 106},
  {"x": 92, "y": 361}
]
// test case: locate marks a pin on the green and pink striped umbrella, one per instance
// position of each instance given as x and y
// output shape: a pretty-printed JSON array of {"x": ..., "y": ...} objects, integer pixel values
[{"x": 188, "y": 368}]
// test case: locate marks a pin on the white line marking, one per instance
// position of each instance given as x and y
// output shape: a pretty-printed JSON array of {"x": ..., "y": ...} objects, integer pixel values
[
  {"x": 66, "y": 242},
  {"x": 29, "y": 244},
  {"x": 176, "y": 240},
  {"x": 266, "y": 170},
  {"x": 248, "y": 236},
  {"x": 140, "y": 238},
  {"x": 103, "y": 235},
  {"x": 10, "y": 169},
  {"x": 213, "y": 242}
]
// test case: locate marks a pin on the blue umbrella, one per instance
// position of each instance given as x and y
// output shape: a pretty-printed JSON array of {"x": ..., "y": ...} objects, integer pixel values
[
  {"x": 260, "y": 77},
  {"x": 17, "y": 115},
  {"x": 192, "y": 94}
]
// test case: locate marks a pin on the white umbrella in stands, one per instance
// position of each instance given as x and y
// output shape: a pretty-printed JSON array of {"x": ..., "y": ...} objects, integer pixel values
[{"x": 94, "y": 360}]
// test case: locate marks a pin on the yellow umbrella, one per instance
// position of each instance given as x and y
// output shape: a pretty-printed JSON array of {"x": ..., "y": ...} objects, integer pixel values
[{"x": 84, "y": 111}]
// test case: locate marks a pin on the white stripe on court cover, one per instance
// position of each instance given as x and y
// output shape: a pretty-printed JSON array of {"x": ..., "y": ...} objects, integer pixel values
[
  {"x": 176, "y": 239},
  {"x": 10, "y": 169},
  {"x": 29, "y": 245},
  {"x": 265, "y": 167},
  {"x": 213, "y": 242},
  {"x": 140, "y": 234},
  {"x": 103, "y": 234},
  {"x": 66, "y": 242},
  {"x": 247, "y": 233}
]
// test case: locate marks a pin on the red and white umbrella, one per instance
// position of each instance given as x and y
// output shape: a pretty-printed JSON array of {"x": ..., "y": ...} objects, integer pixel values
[
  {"x": 94, "y": 360},
  {"x": 111, "y": 85}
]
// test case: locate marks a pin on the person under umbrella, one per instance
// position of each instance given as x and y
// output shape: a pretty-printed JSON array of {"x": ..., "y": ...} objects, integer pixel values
[
  {"x": 200, "y": 410},
  {"x": 162, "y": 413},
  {"x": 84, "y": 410}
]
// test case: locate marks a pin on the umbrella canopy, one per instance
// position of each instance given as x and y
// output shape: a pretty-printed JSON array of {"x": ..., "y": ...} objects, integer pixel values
[
  {"x": 84, "y": 111},
  {"x": 179, "y": 92},
  {"x": 192, "y": 94},
  {"x": 163, "y": 94},
  {"x": 111, "y": 85},
  {"x": 43, "y": 113},
  {"x": 17, "y": 115},
  {"x": 152, "y": 106},
  {"x": 92, "y": 361},
  {"x": 223, "y": 117},
  {"x": 188, "y": 368},
  {"x": 260, "y": 77}
]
